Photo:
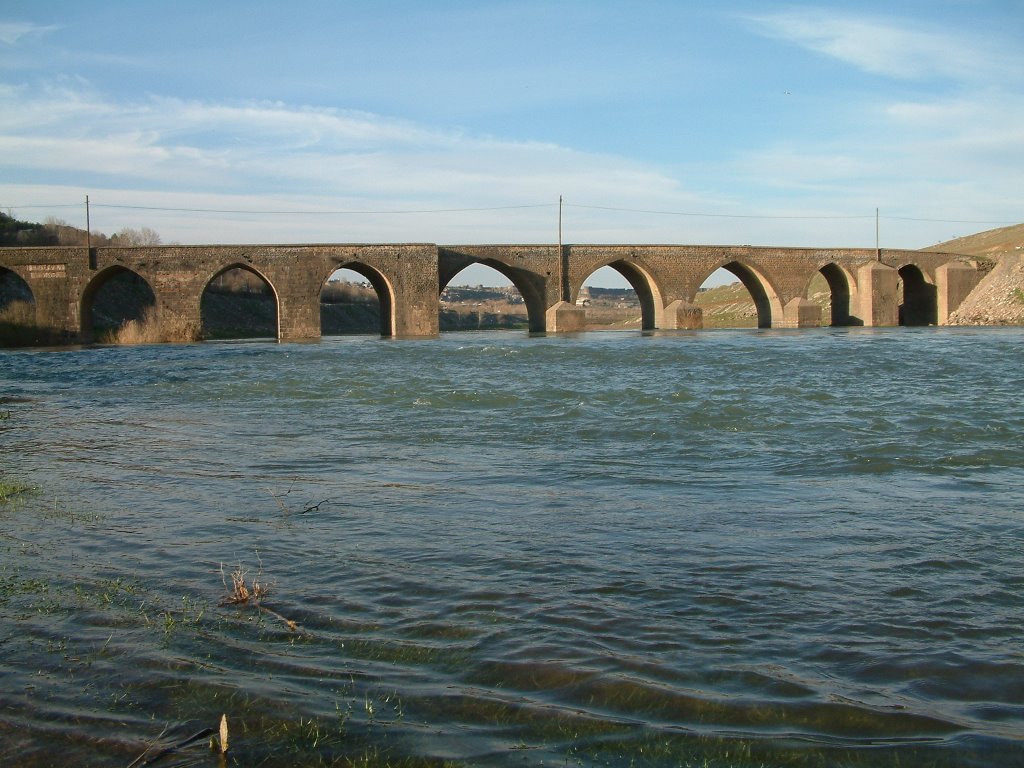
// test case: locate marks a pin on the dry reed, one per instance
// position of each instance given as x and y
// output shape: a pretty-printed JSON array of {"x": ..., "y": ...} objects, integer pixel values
[
  {"x": 18, "y": 313},
  {"x": 252, "y": 593},
  {"x": 240, "y": 593},
  {"x": 152, "y": 328}
]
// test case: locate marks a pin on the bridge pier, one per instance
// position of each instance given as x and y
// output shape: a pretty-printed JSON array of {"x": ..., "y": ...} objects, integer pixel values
[
  {"x": 878, "y": 289},
  {"x": 800, "y": 313},
  {"x": 56, "y": 307},
  {"x": 176, "y": 308},
  {"x": 564, "y": 317},
  {"x": 298, "y": 318},
  {"x": 415, "y": 307},
  {"x": 953, "y": 281},
  {"x": 683, "y": 316}
]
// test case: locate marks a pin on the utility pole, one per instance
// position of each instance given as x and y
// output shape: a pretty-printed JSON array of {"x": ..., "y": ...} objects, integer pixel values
[
  {"x": 88, "y": 236},
  {"x": 878, "y": 247},
  {"x": 559, "y": 223},
  {"x": 563, "y": 267}
]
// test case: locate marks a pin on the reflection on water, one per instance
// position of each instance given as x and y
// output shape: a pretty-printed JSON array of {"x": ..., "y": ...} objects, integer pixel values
[{"x": 735, "y": 548}]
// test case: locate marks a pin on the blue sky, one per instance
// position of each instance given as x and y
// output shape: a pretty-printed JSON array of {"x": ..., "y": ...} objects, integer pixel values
[{"x": 463, "y": 122}]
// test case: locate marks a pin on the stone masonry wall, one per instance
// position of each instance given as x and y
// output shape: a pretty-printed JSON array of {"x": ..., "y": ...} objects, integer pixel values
[{"x": 409, "y": 278}]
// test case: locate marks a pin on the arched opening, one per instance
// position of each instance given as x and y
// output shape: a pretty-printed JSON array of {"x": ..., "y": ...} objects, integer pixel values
[
  {"x": 917, "y": 298},
  {"x": 239, "y": 303},
  {"x": 115, "y": 297},
  {"x": 17, "y": 310},
  {"x": 355, "y": 300},
  {"x": 620, "y": 296},
  {"x": 830, "y": 288},
  {"x": 487, "y": 295},
  {"x": 735, "y": 296}
]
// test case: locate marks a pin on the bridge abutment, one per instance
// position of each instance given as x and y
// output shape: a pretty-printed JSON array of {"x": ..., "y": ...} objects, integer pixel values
[{"x": 953, "y": 282}]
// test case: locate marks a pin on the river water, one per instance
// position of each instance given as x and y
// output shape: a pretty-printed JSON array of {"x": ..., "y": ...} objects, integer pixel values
[{"x": 723, "y": 548}]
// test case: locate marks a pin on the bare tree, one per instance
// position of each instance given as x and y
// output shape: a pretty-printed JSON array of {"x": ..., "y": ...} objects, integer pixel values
[
  {"x": 129, "y": 236},
  {"x": 65, "y": 233}
]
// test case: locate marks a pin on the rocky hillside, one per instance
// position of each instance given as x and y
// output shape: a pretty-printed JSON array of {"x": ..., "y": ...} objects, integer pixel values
[{"x": 999, "y": 297}]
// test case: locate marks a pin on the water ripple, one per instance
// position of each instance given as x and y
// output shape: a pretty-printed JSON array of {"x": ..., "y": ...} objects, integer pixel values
[{"x": 738, "y": 548}]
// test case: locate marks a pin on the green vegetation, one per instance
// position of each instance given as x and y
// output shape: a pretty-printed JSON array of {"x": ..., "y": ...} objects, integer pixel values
[
  {"x": 9, "y": 489},
  {"x": 24, "y": 233},
  {"x": 58, "y": 232},
  {"x": 727, "y": 306}
]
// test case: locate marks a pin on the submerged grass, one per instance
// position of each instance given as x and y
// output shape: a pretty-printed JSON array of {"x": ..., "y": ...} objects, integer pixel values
[
  {"x": 123, "y": 624},
  {"x": 11, "y": 488}
]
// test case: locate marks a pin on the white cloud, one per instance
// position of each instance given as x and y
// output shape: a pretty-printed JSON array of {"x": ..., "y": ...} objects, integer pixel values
[
  {"x": 270, "y": 156},
  {"x": 898, "y": 49},
  {"x": 166, "y": 152},
  {"x": 11, "y": 32},
  {"x": 298, "y": 126},
  {"x": 287, "y": 150}
]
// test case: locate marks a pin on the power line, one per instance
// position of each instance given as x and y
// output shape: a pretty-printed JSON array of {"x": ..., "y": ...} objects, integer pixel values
[
  {"x": 383, "y": 212},
  {"x": 62, "y": 205},
  {"x": 950, "y": 221},
  {"x": 773, "y": 216},
  {"x": 320, "y": 213},
  {"x": 709, "y": 215}
]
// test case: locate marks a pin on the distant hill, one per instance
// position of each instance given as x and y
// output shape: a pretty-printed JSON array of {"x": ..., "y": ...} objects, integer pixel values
[
  {"x": 24, "y": 233},
  {"x": 999, "y": 297},
  {"x": 727, "y": 306},
  {"x": 990, "y": 244}
]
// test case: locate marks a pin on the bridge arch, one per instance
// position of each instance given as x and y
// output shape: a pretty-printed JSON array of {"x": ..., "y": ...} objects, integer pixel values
[
  {"x": 765, "y": 297},
  {"x": 14, "y": 289},
  {"x": 842, "y": 293},
  {"x": 652, "y": 305},
  {"x": 917, "y": 297},
  {"x": 530, "y": 285},
  {"x": 113, "y": 297},
  {"x": 239, "y": 301},
  {"x": 17, "y": 308},
  {"x": 381, "y": 286}
]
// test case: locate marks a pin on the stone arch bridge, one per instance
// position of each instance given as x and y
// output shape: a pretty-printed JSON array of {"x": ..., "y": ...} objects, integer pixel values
[{"x": 868, "y": 287}]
